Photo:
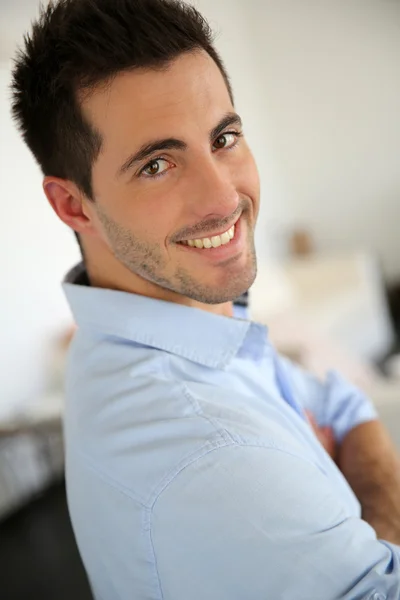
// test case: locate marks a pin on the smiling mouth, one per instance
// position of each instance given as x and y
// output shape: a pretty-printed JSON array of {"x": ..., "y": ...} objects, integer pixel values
[{"x": 212, "y": 242}]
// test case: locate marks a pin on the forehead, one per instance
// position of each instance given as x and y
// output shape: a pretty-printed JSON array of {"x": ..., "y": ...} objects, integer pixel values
[{"x": 191, "y": 92}]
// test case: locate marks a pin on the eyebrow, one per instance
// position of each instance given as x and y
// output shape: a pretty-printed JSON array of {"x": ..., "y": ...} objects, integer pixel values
[{"x": 148, "y": 149}]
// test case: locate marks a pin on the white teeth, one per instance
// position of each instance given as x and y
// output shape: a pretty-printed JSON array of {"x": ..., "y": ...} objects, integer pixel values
[
  {"x": 214, "y": 242},
  {"x": 225, "y": 239}
]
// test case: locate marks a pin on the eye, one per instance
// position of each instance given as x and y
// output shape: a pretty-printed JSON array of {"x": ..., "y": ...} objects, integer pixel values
[
  {"x": 227, "y": 140},
  {"x": 155, "y": 168}
]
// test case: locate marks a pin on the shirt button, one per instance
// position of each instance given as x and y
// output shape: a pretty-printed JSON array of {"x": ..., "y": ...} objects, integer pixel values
[{"x": 378, "y": 596}]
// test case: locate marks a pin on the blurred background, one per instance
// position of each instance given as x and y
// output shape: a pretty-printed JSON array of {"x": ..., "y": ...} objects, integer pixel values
[{"x": 317, "y": 83}]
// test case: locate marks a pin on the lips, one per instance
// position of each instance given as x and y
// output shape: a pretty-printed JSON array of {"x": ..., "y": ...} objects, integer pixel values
[
  {"x": 212, "y": 242},
  {"x": 223, "y": 253}
]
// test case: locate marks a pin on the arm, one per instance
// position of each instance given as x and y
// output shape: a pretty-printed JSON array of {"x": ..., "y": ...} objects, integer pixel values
[
  {"x": 370, "y": 463},
  {"x": 256, "y": 523},
  {"x": 364, "y": 451},
  {"x": 334, "y": 402}
]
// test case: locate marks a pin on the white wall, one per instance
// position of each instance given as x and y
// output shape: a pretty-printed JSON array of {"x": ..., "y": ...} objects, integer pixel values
[
  {"x": 329, "y": 73},
  {"x": 35, "y": 252},
  {"x": 318, "y": 85}
]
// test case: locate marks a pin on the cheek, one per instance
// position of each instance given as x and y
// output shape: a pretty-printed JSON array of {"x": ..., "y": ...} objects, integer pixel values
[
  {"x": 149, "y": 213},
  {"x": 247, "y": 178}
]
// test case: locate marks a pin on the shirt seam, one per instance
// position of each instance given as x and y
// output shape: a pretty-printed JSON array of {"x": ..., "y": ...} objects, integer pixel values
[
  {"x": 148, "y": 509},
  {"x": 164, "y": 484},
  {"x": 223, "y": 437},
  {"x": 207, "y": 447},
  {"x": 109, "y": 481},
  {"x": 148, "y": 522},
  {"x": 219, "y": 428},
  {"x": 168, "y": 480}
]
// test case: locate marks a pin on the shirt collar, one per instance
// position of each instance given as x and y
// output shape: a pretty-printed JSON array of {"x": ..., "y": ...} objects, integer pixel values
[{"x": 194, "y": 334}]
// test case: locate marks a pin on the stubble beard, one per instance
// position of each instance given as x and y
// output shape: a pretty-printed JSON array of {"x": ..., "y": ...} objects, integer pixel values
[{"x": 146, "y": 260}]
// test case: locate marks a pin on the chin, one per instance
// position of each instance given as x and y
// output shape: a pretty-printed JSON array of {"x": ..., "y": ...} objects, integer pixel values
[
  {"x": 230, "y": 287},
  {"x": 236, "y": 282}
]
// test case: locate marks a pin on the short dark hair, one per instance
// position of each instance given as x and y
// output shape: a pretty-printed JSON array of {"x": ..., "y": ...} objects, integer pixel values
[{"x": 76, "y": 45}]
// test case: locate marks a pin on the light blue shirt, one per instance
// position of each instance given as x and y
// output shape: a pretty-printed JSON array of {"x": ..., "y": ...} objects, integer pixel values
[{"x": 192, "y": 473}]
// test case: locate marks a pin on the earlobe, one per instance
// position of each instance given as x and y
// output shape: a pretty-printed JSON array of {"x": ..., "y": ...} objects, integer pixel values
[{"x": 67, "y": 202}]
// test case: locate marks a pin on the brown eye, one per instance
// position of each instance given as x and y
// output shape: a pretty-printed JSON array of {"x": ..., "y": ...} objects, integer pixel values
[
  {"x": 226, "y": 141},
  {"x": 152, "y": 168},
  {"x": 155, "y": 167},
  {"x": 220, "y": 142}
]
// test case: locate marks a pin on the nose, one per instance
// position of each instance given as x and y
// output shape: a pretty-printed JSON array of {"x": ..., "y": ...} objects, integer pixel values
[{"x": 213, "y": 192}]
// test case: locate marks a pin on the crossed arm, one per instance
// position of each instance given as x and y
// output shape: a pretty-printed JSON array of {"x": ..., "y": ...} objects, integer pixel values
[
  {"x": 349, "y": 429},
  {"x": 370, "y": 463}
]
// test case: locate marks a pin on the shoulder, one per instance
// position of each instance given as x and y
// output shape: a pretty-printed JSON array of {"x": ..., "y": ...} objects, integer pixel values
[
  {"x": 240, "y": 514},
  {"x": 140, "y": 432},
  {"x": 136, "y": 421}
]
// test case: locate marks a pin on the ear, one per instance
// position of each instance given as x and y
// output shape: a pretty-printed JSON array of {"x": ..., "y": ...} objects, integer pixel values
[{"x": 69, "y": 204}]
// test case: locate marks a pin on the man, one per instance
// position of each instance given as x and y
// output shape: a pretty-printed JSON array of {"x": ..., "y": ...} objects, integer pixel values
[{"x": 192, "y": 469}]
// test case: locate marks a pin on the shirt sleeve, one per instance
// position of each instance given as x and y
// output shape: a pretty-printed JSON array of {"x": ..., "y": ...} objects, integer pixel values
[
  {"x": 334, "y": 402},
  {"x": 257, "y": 523}
]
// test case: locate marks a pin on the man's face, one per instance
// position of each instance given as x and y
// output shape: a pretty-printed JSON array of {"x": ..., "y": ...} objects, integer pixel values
[{"x": 174, "y": 170}]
